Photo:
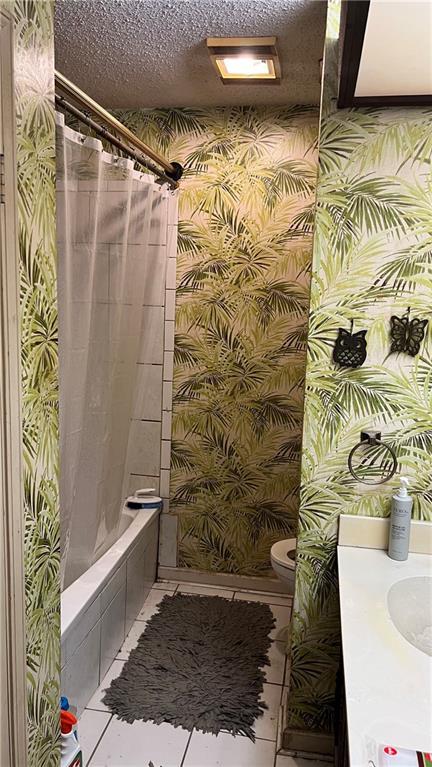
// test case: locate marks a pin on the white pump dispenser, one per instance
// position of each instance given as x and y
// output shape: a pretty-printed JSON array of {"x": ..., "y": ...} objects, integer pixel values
[
  {"x": 403, "y": 489},
  {"x": 400, "y": 522}
]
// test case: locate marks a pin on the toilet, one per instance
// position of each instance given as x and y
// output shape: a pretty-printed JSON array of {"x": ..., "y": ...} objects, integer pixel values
[{"x": 282, "y": 555}]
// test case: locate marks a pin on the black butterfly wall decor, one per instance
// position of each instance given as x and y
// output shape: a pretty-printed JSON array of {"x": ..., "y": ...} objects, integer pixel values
[
  {"x": 406, "y": 334},
  {"x": 350, "y": 348}
]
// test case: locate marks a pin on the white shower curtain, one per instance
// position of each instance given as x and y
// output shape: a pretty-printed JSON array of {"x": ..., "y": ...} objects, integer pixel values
[{"x": 105, "y": 211}]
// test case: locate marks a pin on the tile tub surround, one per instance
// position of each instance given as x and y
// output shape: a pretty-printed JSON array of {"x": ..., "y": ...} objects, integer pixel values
[
  {"x": 113, "y": 743},
  {"x": 100, "y": 607},
  {"x": 387, "y": 680},
  {"x": 148, "y": 460}
]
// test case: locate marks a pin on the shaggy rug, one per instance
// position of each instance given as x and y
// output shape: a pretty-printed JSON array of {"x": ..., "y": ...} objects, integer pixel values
[{"x": 197, "y": 664}]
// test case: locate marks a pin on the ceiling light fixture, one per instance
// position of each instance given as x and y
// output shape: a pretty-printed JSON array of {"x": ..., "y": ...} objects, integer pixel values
[{"x": 245, "y": 59}]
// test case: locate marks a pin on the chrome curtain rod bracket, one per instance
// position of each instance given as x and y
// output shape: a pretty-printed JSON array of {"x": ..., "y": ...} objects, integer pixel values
[{"x": 123, "y": 138}]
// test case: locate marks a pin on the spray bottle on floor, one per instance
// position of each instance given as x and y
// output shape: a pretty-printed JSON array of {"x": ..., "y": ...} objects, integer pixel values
[{"x": 71, "y": 754}]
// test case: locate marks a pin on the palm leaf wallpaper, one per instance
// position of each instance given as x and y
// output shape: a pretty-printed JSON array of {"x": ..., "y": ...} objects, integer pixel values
[
  {"x": 372, "y": 258},
  {"x": 34, "y": 79},
  {"x": 247, "y": 216},
  {"x": 245, "y": 241}
]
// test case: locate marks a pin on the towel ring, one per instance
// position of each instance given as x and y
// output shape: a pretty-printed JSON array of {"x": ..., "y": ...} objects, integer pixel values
[{"x": 372, "y": 438}]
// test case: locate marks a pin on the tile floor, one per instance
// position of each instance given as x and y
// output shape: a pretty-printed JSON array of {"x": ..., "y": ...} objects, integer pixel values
[{"x": 108, "y": 742}]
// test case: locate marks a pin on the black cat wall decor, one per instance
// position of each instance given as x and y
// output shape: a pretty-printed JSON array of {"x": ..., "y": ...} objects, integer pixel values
[
  {"x": 406, "y": 335},
  {"x": 350, "y": 348}
]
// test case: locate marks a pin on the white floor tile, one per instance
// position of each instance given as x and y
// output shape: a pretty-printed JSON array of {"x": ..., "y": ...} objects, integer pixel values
[
  {"x": 91, "y": 725},
  {"x": 165, "y": 585},
  {"x": 296, "y": 761},
  {"x": 224, "y": 750},
  {"x": 131, "y": 640},
  {"x": 153, "y": 600},
  {"x": 267, "y": 599},
  {"x": 204, "y": 591},
  {"x": 283, "y": 617},
  {"x": 137, "y": 744},
  {"x": 147, "y": 612},
  {"x": 266, "y": 725},
  {"x": 96, "y": 701},
  {"x": 275, "y": 672},
  {"x": 156, "y": 595}
]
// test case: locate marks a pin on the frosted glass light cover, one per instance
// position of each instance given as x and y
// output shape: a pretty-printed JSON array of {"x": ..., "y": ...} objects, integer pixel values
[{"x": 245, "y": 66}]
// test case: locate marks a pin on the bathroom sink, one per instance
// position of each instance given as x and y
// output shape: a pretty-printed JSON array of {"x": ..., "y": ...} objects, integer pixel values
[{"x": 409, "y": 604}]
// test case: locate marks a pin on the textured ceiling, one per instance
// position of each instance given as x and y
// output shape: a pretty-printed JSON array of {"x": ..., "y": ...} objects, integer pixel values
[{"x": 152, "y": 53}]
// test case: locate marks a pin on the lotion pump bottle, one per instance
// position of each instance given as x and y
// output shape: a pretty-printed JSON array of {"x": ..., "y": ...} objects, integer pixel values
[{"x": 400, "y": 523}]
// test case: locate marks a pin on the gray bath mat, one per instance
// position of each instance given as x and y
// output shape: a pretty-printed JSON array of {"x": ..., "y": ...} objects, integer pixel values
[{"x": 197, "y": 664}]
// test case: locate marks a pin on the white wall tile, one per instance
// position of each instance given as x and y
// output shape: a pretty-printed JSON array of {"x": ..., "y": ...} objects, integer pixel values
[
  {"x": 166, "y": 454},
  {"x": 168, "y": 540},
  {"x": 168, "y": 366},
  {"x": 172, "y": 217},
  {"x": 126, "y": 270},
  {"x": 148, "y": 393},
  {"x": 112, "y": 630},
  {"x": 167, "y": 395},
  {"x": 164, "y": 483},
  {"x": 151, "y": 555},
  {"x": 169, "y": 336},
  {"x": 96, "y": 700},
  {"x": 113, "y": 586},
  {"x": 152, "y": 335},
  {"x": 123, "y": 323},
  {"x": 172, "y": 241},
  {"x": 88, "y": 279},
  {"x": 78, "y": 632},
  {"x": 170, "y": 301},
  {"x": 171, "y": 274},
  {"x": 135, "y": 591},
  {"x": 112, "y": 227},
  {"x": 80, "y": 312},
  {"x": 80, "y": 676},
  {"x": 132, "y": 637},
  {"x": 155, "y": 276},
  {"x": 144, "y": 448},
  {"x": 158, "y": 224},
  {"x": 138, "y": 481},
  {"x": 166, "y": 424}
]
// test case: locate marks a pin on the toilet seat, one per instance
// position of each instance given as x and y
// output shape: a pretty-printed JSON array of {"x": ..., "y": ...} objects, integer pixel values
[{"x": 280, "y": 551}]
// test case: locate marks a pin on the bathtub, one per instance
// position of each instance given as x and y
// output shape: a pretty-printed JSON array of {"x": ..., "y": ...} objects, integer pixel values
[{"x": 99, "y": 608}]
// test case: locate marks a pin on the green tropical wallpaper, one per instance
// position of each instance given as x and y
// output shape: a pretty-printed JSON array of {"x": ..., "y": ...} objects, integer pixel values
[
  {"x": 372, "y": 258},
  {"x": 243, "y": 274},
  {"x": 34, "y": 72}
]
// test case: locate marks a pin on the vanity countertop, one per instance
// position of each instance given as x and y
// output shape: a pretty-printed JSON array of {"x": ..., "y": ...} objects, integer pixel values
[{"x": 388, "y": 682}]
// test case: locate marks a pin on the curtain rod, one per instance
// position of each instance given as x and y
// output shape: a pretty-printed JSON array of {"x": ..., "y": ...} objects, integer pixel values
[
  {"x": 172, "y": 171},
  {"x": 104, "y": 133}
]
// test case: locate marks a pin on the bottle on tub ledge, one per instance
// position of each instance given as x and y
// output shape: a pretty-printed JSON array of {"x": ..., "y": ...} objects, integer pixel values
[
  {"x": 144, "y": 499},
  {"x": 71, "y": 754},
  {"x": 400, "y": 523}
]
